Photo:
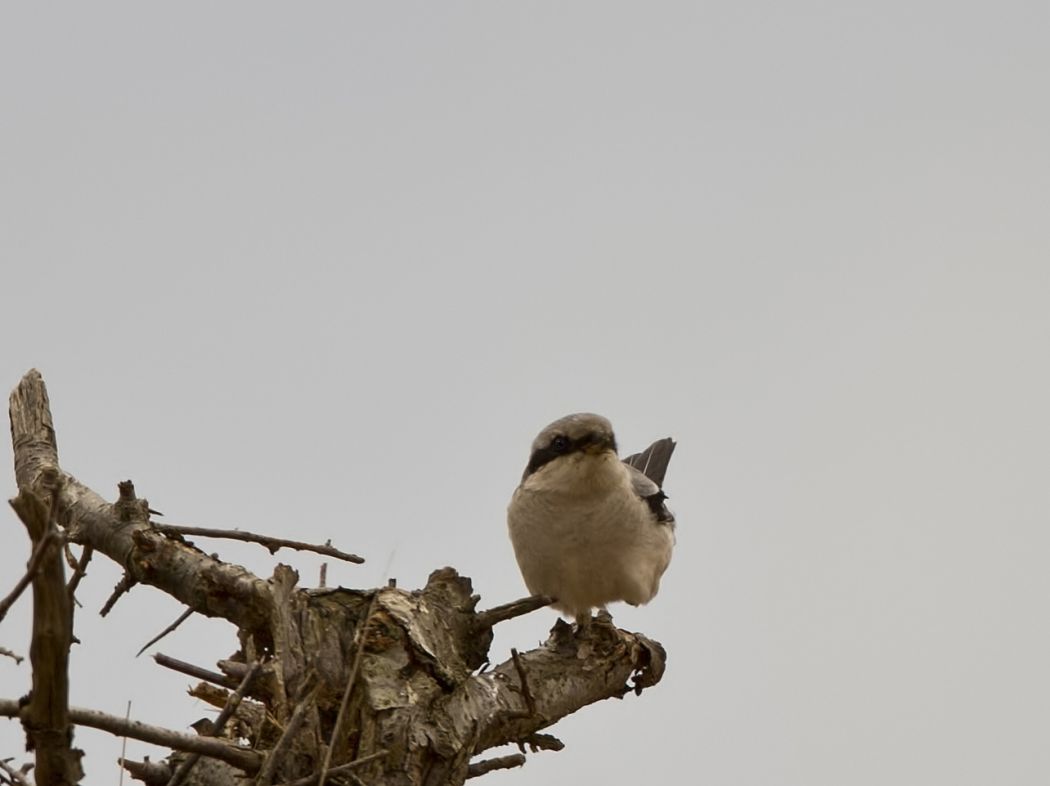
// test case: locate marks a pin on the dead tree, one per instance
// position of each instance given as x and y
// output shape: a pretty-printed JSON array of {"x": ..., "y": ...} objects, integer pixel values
[{"x": 328, "y": 685}]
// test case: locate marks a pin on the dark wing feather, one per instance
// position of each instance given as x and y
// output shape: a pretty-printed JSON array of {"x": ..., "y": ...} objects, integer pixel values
[
  {"x": 647, "y": 476},
  {"x": 652, "y": 462}
]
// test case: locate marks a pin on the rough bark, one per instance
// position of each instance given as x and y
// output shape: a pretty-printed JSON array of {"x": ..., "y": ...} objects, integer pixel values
[
  {"x": 402, "y": 665},
  {"x": 45, "y": 716}
]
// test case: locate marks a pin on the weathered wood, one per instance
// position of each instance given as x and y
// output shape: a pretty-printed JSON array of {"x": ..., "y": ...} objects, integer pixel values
[
  {"x": 243, "y": 758},
  {"x": 385, "y": 682},
  {"x": 122, "y": 531},
  {"x": 46, "y": 716}
]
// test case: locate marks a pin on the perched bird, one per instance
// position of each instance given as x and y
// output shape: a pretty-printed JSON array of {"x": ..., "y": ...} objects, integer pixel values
[{"x": 587, "y": 528}]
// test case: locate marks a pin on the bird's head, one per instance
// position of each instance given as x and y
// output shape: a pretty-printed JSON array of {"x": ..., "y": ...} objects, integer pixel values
[{"x": 582, "y": 434}]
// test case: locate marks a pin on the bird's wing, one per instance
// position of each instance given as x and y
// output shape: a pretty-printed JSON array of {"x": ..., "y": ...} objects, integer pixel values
[
  {"x": 652, "y": 462},
  {"x": 647, "y": 489}
]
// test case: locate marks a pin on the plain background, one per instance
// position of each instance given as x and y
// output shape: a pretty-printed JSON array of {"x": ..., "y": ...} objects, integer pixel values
[{"x": 325, "y": 269}]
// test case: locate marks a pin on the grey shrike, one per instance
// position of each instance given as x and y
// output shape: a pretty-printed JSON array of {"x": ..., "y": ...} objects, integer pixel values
[{"x": 587, "y": 528}]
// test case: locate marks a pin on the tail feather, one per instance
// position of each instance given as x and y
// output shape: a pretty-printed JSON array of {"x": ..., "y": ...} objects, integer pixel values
[{"x": 652, "y": 462}]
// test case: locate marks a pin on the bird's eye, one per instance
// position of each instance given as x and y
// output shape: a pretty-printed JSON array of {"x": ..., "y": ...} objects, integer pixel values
[{"x": 560, "y": 443}]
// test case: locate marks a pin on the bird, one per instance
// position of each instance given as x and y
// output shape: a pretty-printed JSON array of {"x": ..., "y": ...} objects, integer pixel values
[{"x": 587, "y": 528}]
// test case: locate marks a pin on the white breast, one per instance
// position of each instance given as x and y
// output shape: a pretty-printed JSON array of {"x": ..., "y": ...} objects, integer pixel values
[{"x": 582, "y": 536}]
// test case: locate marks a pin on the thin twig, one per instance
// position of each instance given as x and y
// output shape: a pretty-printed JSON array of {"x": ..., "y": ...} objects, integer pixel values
[
  {"x": 31, "y": 568},
  {"x": 70, "y": 559},
  {"x": 124, "y": 585},
  {"x": 361, "y": 633},
  {"x": 182, "y": 618},
  {"x": 80, "y": 569},
  {"x": 124, "y": 744},
  {"x": 507, "y": 611},
  {"x": 217, "y": 726},
  {"x": 189, "y": 669},
  {"x": 499, "y": 763},
  {"x": 323, "y": 578},
  {"x": 311, "y": 780},
  {"x": 270, "y": 543},
  {"x": 276, "y": 754},
  {"x": 243, "y": 758},
  {"x": 13, "y": 655},
  {"x": 529, "y": 702}
]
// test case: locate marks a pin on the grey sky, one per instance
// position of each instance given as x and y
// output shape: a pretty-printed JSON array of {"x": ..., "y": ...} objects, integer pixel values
[{"x": 325, "y": 270}]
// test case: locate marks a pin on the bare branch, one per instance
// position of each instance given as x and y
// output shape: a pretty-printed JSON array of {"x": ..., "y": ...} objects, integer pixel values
[
  {"x": 13, "y": 655},
  {"x": 240, "y": 757},
  {"x": 122, "y": 531},
  {"x": 498, "y": 763},
  {"x": 182, "y": 618},
  {"x": 46, "y": 716},
  {"x": 189, "y": 669},
  {"x": 517, "y": 608},
  {"x": 217, "y": 726},
  {"x": 33, "y": 566},
  {"x": 123, "y": 587},
  {"x": 80, "y": 570},
  {"x": 272, "y": 544},
  {"x": 585, "y": 672}
]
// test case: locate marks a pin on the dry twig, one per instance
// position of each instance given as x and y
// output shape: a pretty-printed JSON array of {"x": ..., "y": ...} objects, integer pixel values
[
  {"x": 32, "y": 567},
  {"x": 80, "y": 569},
  {"x": 516, "y": 608},
  {"x": 123, "y": 586},
  {"x": 13, "y": 655},
  {"x": 190, "y": 670},
  {"x": 498, "y": 763},
  {"x": 270, "y": 543},
  {"x": 182, "y": 618}
]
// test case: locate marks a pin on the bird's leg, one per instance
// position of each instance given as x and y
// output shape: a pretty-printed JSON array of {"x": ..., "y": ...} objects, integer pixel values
[
  {"x": 583, "y": 621},
  {"x": 603, "y": 616}
]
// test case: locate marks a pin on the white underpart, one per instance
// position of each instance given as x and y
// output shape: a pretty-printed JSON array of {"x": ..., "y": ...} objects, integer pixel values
[{"x": 582, "y": 535}]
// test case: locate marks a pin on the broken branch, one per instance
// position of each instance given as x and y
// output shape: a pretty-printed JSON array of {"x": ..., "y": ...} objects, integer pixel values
[
  {"x": 498, "y": 763},
  {"x": 190, "y": 670},
  {"x": 517, "y": 608}
]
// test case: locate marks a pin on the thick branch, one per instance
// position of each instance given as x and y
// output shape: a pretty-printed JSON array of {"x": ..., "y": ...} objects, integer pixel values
[
  {"x": 242, "y": 758},
  {"x": 122, "y": 531},
  {"x": 46, "y": 717},
  {"x": 565, "y": 675}
]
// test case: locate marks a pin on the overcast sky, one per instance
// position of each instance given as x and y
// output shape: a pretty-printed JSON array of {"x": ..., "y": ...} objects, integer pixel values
[{"x": 325, "y": 270}]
